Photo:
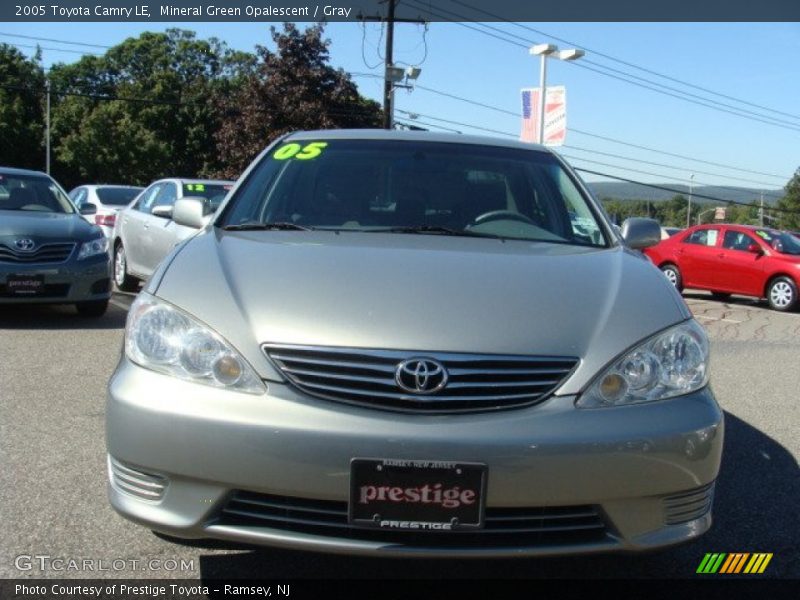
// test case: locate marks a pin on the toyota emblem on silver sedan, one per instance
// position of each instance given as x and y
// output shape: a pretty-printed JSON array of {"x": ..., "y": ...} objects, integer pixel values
[
  {"x": 421, "y": 376},
  {"x": 24, "y": 244}
]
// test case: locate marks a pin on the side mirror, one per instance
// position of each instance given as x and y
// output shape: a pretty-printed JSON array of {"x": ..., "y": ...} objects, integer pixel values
[
  {"x": 165, "y": 212},
  {"x": 754, "y": 249},
  {"x": 641, "y": 233},
  {"x": 190, "y": 211},
  {"x": 87, "y": 208}
]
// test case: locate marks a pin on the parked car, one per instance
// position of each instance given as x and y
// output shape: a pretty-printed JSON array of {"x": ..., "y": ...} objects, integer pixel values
[
  {"x": 48, "y": 253},
  {"x": 400, "y": 343},
  {"x": 733, "y": 259},
  {"x": 108, "y": 199},
  {"x": 144, "y": 232}
]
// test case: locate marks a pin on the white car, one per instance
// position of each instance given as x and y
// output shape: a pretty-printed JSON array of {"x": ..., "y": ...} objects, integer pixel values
[{"x": 108, "y": 199}]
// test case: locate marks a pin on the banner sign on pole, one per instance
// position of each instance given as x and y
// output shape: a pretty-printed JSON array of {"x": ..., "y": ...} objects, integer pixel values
[{"x": 555, "y": 116}]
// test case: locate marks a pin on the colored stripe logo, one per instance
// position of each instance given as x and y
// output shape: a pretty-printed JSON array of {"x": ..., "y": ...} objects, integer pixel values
[{"x": 734, "y": 563}]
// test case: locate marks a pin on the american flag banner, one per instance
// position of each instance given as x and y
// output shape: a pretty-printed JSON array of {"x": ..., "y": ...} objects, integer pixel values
[{"x": 555, "y": 116}]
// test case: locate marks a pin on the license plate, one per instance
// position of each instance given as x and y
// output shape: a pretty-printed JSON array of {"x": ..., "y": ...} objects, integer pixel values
[
  {"x": 25, "y": 285},
  {"x": 416, "y": 495}
]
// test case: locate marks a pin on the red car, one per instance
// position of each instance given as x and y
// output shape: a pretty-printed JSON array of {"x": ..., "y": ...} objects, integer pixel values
[{"x": 733, "y": 259}]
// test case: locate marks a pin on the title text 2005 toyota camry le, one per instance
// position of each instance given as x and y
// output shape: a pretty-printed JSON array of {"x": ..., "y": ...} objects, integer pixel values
[{"x": 413, "y": 344}]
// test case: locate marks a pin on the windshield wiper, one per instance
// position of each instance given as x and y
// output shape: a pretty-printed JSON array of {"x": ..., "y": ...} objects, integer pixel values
[
  {"x": 435, "y": 230},
  {"x": 256, "y": 226}
]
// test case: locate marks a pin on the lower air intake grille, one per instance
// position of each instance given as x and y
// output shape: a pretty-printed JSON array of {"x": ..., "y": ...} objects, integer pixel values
[
  {"x": 503, "y": 526},
  {"x": 137, "y": 483},
  {"x": 370, "y": 377},
  {"x": 688, "y": 506}
]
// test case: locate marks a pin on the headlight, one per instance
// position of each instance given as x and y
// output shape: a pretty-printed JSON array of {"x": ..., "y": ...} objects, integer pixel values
[
  {"x": 671, "y": 363},
  {"x": 160, "y": 337},
  {"x": 93, "y": 248}
]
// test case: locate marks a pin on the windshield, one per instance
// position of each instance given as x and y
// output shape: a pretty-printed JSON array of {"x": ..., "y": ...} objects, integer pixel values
[
  {"x": 32, "y": 193},
  {"x": 117, "y": 196},
  {"x": 415, "y": 187},
  {"x": 780, "y": 241}
]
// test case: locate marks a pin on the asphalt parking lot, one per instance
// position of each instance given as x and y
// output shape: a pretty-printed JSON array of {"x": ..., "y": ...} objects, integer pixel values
[{"x": 54, "y": 367}]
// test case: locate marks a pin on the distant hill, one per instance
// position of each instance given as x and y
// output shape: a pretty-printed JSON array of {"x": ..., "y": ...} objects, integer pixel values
[{"x": 621, "y": 190}]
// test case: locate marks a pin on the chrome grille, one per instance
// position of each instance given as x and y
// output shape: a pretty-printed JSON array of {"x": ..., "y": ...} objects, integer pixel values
[
  {"x": 502, "y": 526},
  {"x": 365, "y": 376},
  {"x": 137, "y": 483},
  {"x": 688, "y": 506},
  {"x": 44, "y": 254}
]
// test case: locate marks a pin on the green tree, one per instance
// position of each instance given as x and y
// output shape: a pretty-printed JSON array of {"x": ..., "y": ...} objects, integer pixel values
[
  {"x": 790, "y": 204},
  {"x": 291, "y": 88},
  {"x": 21, "y": 110},
  {"x": 143, "y": 110}
]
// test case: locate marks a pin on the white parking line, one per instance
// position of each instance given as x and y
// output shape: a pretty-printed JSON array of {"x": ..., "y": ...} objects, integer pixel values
[{"x": 716, "y": 319}]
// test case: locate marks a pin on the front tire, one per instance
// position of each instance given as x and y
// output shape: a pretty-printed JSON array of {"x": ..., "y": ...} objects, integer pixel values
[
  {"x": 123, "y": 280},
  {"x": 782, "y": 294},
  {"x": 96, "y": 308},
  {"x": 673, "y": 275}
]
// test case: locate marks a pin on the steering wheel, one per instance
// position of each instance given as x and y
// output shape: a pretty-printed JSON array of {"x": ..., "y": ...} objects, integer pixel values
[{"x": 501, "y": 215}]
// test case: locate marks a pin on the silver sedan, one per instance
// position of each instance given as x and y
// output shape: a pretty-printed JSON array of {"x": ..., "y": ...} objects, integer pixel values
[
  {"x": 408, "y": 344},
  {"x": 145, "y": 232}
]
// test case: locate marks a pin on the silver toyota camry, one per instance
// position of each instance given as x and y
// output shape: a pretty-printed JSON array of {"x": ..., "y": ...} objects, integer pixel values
[{"x": 404, "y": 343}]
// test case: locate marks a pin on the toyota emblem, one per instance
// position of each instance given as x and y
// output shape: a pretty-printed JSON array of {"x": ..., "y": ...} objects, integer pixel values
[
  {"x": 24, "y": 244},
  {"x": 421, "y": 376}
]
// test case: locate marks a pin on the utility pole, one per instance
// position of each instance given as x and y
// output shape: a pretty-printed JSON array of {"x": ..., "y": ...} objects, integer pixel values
[
  {"x": 388, "y": 104},
  {"x": 388, "y": 84},
  {"x": 47, "y": 128},
  {"x": 689, "y": 208},
  {"x": 761, "y": 210}
]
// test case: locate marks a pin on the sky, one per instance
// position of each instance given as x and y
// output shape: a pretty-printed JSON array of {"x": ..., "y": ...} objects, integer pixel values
[{"x": 753, "y": 62}]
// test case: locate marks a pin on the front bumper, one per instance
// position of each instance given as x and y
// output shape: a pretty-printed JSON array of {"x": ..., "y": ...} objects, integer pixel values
[
  {"x": 65, "y": 283},
  {"x": 206, "y": 448}
]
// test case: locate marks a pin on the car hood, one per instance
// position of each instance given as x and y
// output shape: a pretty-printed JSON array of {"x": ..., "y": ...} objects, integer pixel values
[
  {"x": 420, "y": 293},
  {"x": 45, "y": 226}
]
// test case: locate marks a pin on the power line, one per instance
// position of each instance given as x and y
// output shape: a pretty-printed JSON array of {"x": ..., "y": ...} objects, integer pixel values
[
  {"x": 413, "y": 122},
  {"x": 694, "y": 194},
  {"x": 666, "y": 166},
  {"x": 620, "y": 167},
  {"x": 56, "y": 92},
  {"x": 680, "y": 94},
  {"x": 497, "y": 131},
  {"x": 627, "y": 63},
  {"x": 605, "y": 138},
  {"x": 41, "y": 39},
  {"x": 741, "y": 113},
  {"x": 37, "y": 47}
]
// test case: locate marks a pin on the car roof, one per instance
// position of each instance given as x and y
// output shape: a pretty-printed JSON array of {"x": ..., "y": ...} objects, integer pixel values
[
  {"x": 13, "y": 171},
  {"x": 734, "y": 226},
  {"x": 414, "y": 136},
  {"x": 95, "y": 186},
  {"x": 190, "y": 180}
]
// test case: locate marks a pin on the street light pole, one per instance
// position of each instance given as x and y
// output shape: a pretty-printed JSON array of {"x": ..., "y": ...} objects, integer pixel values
[
  {"x": 700, "y": 216},
  {"x": 542, "y": 96},
  {"x": 47, "y": 128},
  {"x": 545, "y": 51}
]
